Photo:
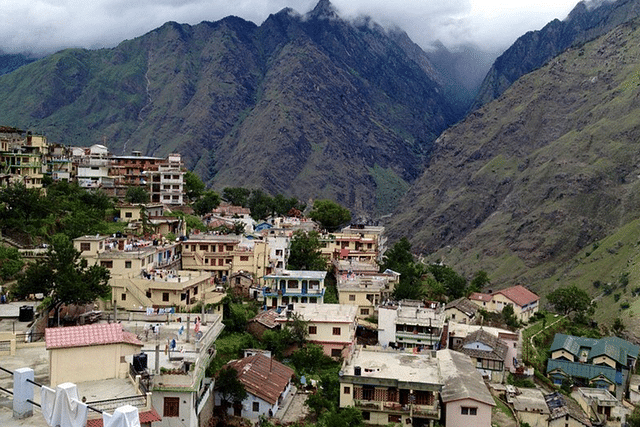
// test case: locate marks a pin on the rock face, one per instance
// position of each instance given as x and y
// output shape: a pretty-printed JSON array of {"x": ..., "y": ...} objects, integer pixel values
[
  {"x": 301, "y": 105},
  {"x": 587, "y": 21},
  {"x": 525, "y": 182}
]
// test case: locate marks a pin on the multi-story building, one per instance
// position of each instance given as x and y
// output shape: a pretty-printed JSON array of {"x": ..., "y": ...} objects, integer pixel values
[
  {"x": 332, "y": 326},
  {"x": 602, "y": 363},
  {"x": 524, "y": 302},
  {"x": 488, "y": 353},
  {"x": 293, "y": 286},
  {"x": 93, "y": 166},
  {"x": 355, "y": 243},
  {"x": 392, "y": 387},
  {"x": 166, "y": 184},
  {"x": 21, "y": 157},
  {"x": 366, "y": 292},
  {"x": 409, "y": 324},
  {"x": 223, "y": 255}
]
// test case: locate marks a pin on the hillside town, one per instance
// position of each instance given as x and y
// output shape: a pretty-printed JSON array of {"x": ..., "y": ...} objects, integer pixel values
[{"x": 203, "y": 327}]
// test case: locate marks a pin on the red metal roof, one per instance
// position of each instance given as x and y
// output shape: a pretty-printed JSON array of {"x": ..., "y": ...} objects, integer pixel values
[
  {"x": 519, "y": 295},
  {"x": 262, "y": 376},
  {"x": 87, "y": 335},
  {"x": 480, "y": 297},
  {"x": 150, "y": 416}
]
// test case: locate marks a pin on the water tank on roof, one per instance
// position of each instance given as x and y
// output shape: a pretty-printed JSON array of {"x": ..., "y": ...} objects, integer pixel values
[
  {"x": 140, "y": 362},
  {"x": 25, "y": 314}
]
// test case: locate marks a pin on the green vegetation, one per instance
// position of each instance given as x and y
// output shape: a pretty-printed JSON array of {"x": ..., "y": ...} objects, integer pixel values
[
  {"x": 64, "y": 277},
  {"x": 304, "y": 253},
  {"x": 136, "y": 195},
  {"x": 11, "y": 263},
  {"x": 329, "y": 214}
]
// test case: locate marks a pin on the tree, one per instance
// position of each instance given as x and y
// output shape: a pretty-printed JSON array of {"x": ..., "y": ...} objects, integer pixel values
[
  {"x": 11, "y": 263},
  {"x": 569, "y": 299},
  {"x": 236, "y": 196},
  {"x": 329, "y": 214},
  {"x": 206, "y": 203},
  {"x": 633, "y": 419},
  {"x": 400, "y": 259},
  {"x": 193, "y": 186},
  {"x": 260, "y": 204},
  {"x": 304, "y": 252},
  {"x": 618, "y": 327},
  {"x": 479, "y": 281},
  {"x": 64, "y": 277},
  {"x": 136, "y": 195},
  {"x": 509, "y": 317},
  {"x": 454, "y": 284},
  {"x": 230, "y": 387}
]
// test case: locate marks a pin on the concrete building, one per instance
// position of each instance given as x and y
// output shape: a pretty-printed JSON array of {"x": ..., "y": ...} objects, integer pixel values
[
  {"x": 600, "y": 405},
  {"x": 410, "y": 324},
  {"x": 293, "y": 286},
  {"x": 565, "y": 412},
  {"x": 365, "y": 292},
  {"x": 392, "y": 387},
  {"x": 93, "y": 167},
  {"x": 267, "y": 382},
  {"x": 332, "y": 326},
  {"x": 530, "y": 405},
  {"x": 461, "y": 310},
  {"x": 358, "y": 243},
  {"x": 466, "y": 399},
  {"x": 89, "y": 352},
  {"x": 22, "y": 157},
  {"x": 524, "y": 302},
  {"x": 457, "y": 332}
]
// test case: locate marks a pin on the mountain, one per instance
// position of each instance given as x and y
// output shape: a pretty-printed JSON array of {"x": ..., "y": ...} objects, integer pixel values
[
  {"x": 588, "y": 20},
  {"x": 13, "y": 61},
  {"x": 300, "y": 105},
  {"x": 530, "y": 185}
]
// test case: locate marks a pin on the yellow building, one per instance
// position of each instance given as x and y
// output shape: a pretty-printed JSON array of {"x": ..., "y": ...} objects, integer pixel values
[
  {"x": 364, "y": 292},
  {"x": 89, "y": 352},
  {"x": 21, "y": 158},
  {"x": 524, "y": 302},
  {"x": 223, "y": 255}
]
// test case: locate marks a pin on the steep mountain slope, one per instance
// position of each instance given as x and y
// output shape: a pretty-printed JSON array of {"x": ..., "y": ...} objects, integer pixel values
[
  {"x": 10, "y": 62},
  {"x": 527, "y": 181},
  {"x": 586, "y": 21},
  {"x": 301, "y": 105}
]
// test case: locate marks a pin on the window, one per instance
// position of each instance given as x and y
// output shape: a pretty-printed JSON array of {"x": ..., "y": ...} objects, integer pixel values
[
  {"x": 364, "y": 311},
  {"x": 195, "y": 290},
  {"x": 220, "y": 261},
  {"x": 313, "y": 330},
  {"x": 171, "y": 407},
  {"x": 123, "y": 297},
  {"x": 347, "y": 390},
  {"x": 128, "y": 214},
  {"x": 352, "y": 297},
  {"x": 366, "y": 415},
  {"x": 85, "y": 247},
  {"x": 165, "y": 296},
  {"x": 336, "y": 352},
  {"x": 106, "y": 264},
  {"x": 204, "y": 247},
  {"x": 127, "y": 264},
  {"x": 336, "y": 331},
  {"x": 256, "y": 406},
  {"x": 395, "y": 418},
  {"x": 466, "y": 410},
  {"x": 244, "y": 258}
]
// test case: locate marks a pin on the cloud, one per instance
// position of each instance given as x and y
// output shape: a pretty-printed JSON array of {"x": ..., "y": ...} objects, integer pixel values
[{"x": 49, "y": 25}]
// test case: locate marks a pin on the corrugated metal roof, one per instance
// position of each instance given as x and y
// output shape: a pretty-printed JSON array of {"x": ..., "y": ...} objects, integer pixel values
[
  {"x": 88, "y": 335},
  {"x": 262, "y": 376}
]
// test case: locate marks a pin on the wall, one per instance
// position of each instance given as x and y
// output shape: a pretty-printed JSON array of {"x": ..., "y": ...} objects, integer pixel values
[{"x": 454, "y": 415}]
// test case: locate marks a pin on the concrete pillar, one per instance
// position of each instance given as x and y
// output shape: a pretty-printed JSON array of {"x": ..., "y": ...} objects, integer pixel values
[{"x": 22, "y": 391}]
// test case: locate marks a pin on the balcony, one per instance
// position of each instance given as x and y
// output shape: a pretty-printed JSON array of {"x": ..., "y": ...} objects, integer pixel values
[{"x": 428, "y": 411}]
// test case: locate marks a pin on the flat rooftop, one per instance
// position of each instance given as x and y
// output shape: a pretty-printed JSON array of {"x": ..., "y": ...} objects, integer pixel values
[
  {"x": 324, "y": 313},
  {"x": 390, "y": 364},
  {"x": 529, "y": 400}
]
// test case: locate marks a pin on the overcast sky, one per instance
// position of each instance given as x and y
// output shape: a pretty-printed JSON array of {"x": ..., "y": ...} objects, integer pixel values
[{"x": 49, "y": 25}]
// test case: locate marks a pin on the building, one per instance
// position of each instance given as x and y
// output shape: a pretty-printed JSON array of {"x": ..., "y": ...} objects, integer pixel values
[
  {"x": 332, "y": 326},
  {"x": 358, "y": 243},
  {"x": 524, "y": 302},
  {"x": 410, "y": 324},
  {"x": 366, "y": 292},
  {"x": 223, "y": 255},
  {"x": 293, "y": 286},
  {"x": 264, "y": 321},
  {"x": 129, "y": 257},
  {"x": 601, "y": 363},
  {"x": 179, "y": 385},
  {"x": 530, "y": 405},
  {"x": 89, "y": 352},
  {"x": 267, "y": 383},
  {"x": 565, "y": 412},
  {"x": 129, "y": 212},
  {"x": 487, "y": 352},
  {"x": 461, "y": 310},
  {"x": 457, "y": 332},
  {"x": 392, "y": 387},
  {"x": 600, "y": 405},
  {"x": 22, "y": 157},
  {"x": 465, "y": 397},
  {"x": 93, "y": 167}
]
